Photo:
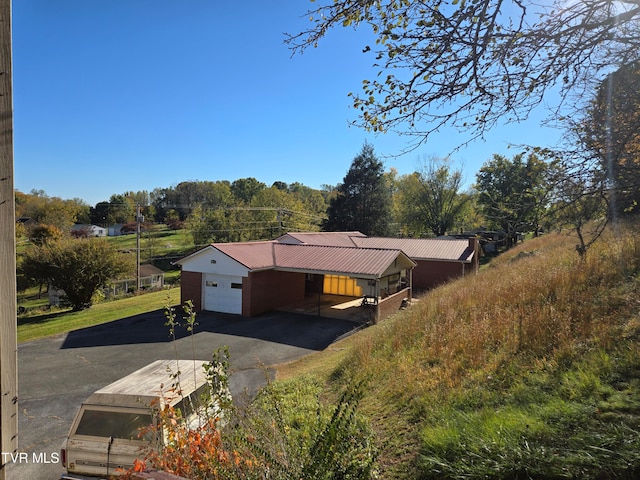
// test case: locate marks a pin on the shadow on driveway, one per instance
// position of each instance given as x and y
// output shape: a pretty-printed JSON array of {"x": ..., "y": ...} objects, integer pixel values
[{"x": 298, "y": 330}]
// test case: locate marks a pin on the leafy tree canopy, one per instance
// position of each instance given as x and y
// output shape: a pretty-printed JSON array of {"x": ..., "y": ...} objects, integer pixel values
[
  {"x": 78, "y": 267},
  {"x": 514, "y": 194},
  {"x": 431, "y": 200},
  {"x": 471, "y": 63}
]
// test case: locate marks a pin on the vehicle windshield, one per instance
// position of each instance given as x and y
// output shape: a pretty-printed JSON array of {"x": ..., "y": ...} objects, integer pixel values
[{"x": 123, "y": 425}]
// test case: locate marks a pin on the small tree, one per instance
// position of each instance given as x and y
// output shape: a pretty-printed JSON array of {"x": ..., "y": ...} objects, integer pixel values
[
  {"x": 584, "y": 208},
  {"x": 78, "y": 267}
]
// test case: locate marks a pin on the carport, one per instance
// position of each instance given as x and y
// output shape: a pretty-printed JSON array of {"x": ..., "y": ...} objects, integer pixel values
[{"x": 332, "y": 306}]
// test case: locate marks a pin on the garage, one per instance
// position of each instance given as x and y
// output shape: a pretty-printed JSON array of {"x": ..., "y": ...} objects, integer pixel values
[{"x": 222, "y": 293}]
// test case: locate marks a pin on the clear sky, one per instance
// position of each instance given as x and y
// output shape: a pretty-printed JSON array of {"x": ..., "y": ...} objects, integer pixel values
[{"x": 119, "y": 95}]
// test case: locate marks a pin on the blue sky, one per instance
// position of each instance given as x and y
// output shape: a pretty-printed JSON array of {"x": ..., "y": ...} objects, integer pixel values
[{"x": 119, "y": 95}]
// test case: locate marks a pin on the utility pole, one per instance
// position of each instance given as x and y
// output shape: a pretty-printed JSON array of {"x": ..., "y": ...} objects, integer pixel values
[
  {"x": 139, "y": 220},
  {"x": 8, "y": 307}
]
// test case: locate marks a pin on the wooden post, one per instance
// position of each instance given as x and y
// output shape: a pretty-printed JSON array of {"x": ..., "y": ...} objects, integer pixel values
[
  {"x": 8, "y": 307},
  {"x": 137, "y": 248}
]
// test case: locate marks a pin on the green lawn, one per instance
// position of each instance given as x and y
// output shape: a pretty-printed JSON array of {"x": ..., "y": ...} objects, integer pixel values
[
  {"x": 52, "y": 323},
  {"x": 160, "y": 243}
]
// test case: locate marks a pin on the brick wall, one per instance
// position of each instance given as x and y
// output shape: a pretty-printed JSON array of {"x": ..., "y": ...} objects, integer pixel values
[
  {"x": 429, "y": 273},
  {"x": 392, "y": 303},
  {"x": 269, "y": 289},
  {"x": 191, "y": 288}
]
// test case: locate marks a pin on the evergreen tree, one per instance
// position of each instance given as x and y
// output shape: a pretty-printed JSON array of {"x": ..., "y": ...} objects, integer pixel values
[{"x": 363, "y": 200}]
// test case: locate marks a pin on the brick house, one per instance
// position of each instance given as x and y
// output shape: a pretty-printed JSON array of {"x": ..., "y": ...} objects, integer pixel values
[{"x": 251, "y": 278}]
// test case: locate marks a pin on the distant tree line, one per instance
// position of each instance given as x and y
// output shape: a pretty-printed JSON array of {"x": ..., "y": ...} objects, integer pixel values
[{"x": 584, "y": 184}]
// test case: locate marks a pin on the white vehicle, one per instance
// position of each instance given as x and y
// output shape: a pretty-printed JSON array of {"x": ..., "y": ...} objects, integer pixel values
[{"x": 104, "y": 439}]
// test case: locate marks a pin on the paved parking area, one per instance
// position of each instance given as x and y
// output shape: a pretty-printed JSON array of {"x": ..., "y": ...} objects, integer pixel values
[{"x": 57, "y": 373}]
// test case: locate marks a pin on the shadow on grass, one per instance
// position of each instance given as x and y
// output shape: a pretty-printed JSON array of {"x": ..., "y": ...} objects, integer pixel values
[{"x": 43, "y": 318}]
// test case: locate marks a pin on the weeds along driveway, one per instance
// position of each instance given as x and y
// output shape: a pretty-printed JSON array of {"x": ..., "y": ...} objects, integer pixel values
[{"x": 57, "y": 373}]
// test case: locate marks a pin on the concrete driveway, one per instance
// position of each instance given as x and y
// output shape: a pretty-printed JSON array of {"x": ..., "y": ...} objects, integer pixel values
[{"x": 57, "y": 373}]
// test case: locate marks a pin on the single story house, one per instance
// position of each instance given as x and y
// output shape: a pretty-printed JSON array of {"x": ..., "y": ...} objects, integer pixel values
[
  {"x": 151, "y": 277},
  {"x": 115, "y": 230},
  {"x": 86, "y": 230},
  {"x": 251, "y": 278},
  {"x": 437, "y": 260}
]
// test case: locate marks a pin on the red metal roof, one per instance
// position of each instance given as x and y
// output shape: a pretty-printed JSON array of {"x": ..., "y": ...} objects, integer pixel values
[
  {"x": 423, "y": 248},
  {"x": 348, "y": 260},
  {"x": 318, "y": 258},
  {"x": 333, "y": 239},
  {"x": 253, "y": 255},
  {"x": 417, "y": 248},
  {"x": 342, "y": 252}
]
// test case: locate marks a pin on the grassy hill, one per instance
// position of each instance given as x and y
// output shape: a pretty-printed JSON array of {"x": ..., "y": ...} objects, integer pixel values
[{"x": 531, "y": 369}]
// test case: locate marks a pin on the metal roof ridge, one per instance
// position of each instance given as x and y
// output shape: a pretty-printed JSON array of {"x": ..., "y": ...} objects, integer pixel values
[
  {"x": 355, "y": 247},
  {"x": 246, "y": 242}
]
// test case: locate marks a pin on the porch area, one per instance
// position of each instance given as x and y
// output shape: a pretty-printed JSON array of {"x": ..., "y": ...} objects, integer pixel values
[{"x": 350, "y": 308}]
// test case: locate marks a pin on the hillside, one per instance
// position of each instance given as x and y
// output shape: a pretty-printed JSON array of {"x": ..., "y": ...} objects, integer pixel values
[{"x": 530, "y": 369}]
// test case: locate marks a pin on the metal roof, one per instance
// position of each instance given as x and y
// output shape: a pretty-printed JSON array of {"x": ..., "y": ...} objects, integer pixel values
[
  {"x": 333, "y": 239},
  {"x": 423, "y": 248},
  {"x": 253, "y": 255},
  {"x": 369, "y": 262},
  {"x": 418, "y": 248},
  {"x": 341, "y": 252}
]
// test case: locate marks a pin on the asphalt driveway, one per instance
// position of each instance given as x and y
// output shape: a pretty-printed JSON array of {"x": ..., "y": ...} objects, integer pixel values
[{"x": 57, "y": 373}]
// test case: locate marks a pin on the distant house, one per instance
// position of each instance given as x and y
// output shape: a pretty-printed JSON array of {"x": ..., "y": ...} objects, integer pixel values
[
  {"x": 151, "y": 277},
  {"x": 118, "y": 229},
  {"x": 115, "y": 230},
  {"x": 26, "y": 221},
  {"x": 86, "y": 230}
]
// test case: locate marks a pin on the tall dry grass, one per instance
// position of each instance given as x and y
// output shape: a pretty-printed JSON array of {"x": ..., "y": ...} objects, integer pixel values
[{"x": 534, "y": 302}]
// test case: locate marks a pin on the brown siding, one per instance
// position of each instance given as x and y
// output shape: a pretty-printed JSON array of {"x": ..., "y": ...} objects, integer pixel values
[
  {"x": 431, "y": 273},
  {"x": 191, "y": 288},
  {"x": 267, "y": 290}
]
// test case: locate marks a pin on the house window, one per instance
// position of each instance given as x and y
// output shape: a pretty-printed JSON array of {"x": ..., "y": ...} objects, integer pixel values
[
  {"x": 209, "y": 283},
  {"x": 236, "y": 285}
]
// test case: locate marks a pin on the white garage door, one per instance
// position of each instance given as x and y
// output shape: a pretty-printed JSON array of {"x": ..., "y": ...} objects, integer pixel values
[{"x": 223, "y": 293}]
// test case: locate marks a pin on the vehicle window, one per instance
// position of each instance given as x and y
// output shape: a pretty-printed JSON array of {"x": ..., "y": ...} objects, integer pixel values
[
  {"x": 193, "y": 403},
  {"x": 125, "y": 425}
]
